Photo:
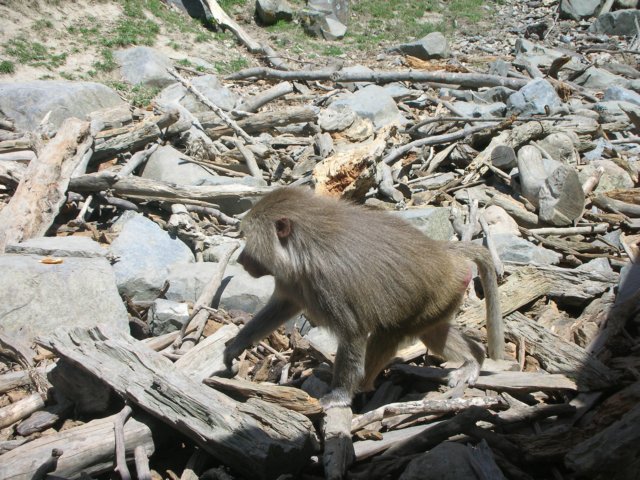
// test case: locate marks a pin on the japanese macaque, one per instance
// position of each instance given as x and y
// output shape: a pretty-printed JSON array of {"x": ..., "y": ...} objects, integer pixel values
[{"x": 368, "y": 276}]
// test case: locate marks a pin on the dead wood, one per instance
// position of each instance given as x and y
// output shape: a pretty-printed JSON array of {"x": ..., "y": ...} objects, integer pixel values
[
  {"x": 557, "y": 355},
  {"x": 253, "y": 104},
  {"x": 20, "y": 409},
  {"x": 499, "y": 381},
  {"x": 468, "y": 80},
  {"x": 121, "y": 456},
  {"x": 260, "y": 122},
  {"x": 147, "y": 189},
  {"x": 88, "y": 448},
  {"x": 423, "y": 407},
  {"x": 287, "y": 397},
  {"x": 255, "y": 438},
  {"x": 338, "y": 454},
  {"x": 42, "y": 191}
]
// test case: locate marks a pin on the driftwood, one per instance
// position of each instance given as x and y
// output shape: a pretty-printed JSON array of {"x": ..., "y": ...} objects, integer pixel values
[
  {"x": 88, "y": 448},
  {"x": 469, "y": 80},
  {"x": 255, "y": 438},
  {"x": 44, "y": 183},
  {"x": 11, "y": 380},
  {"x": 287, "y": 397},
  {"x": 423, "y": 407},
  {"x": 146, "y": 189},
  {"x": 205, "y": 358},
  {"x": 131, "y": 138},
  {"x": 338, "y": 452},
  {"x": 499, "y": 381},
  {"x": 259, "y": 122},
  {"x": 557, "y": 355},
  {"x": 20, "y": 409}
]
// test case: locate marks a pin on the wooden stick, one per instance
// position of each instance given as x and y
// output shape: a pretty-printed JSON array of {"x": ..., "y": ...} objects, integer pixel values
[
  {"x": 20, "y": 409},
  {"x": 472, "y": 80},
  {"x": 142, "y": 463},
  {"x": 221, "y": 113},
  {"x": 118, "y": 427},
  {"x": 566, "y": 231}
]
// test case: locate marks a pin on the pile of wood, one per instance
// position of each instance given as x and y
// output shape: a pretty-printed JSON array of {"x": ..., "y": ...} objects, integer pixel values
[{"x": 566, "y": 403}]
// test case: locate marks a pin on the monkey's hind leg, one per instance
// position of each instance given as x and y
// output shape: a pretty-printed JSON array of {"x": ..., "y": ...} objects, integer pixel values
[
  {"x": 448, "y": 342},
  {"x": 381, "y": 347}
]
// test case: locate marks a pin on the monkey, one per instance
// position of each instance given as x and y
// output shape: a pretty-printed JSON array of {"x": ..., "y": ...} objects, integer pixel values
[{"x": 371, "y": 278}]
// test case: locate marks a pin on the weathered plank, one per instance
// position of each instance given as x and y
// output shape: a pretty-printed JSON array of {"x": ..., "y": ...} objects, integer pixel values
[{"x": 255, "y": 438}]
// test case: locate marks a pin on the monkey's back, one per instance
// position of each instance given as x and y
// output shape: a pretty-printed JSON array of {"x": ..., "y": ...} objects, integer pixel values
[{"x": 370, "y": 269}]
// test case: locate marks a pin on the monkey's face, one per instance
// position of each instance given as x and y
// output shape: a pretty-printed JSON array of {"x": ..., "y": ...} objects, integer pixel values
[
  {"x": 251, "y": 265},
  {"x": 264, "y": 252}
]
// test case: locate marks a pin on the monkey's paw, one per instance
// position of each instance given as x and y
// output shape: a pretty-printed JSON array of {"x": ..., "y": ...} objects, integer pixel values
[
  {"x": 467, "y": 374},
  {"x": 228, "y": 372},
  {"x": 231, "y": 351},
  {"x": 337, "y": 398}
]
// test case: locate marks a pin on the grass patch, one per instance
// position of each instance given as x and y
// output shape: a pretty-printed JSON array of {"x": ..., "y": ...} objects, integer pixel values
[
  {"x": 231, "y": 66},
  {"x": 42, "y": 24},
  {"x": 33, "y": 53},
  {"x": 7, "y": 67},
  {"x": 131, "y": 31},
  {"x": 332, "y": 50},
  {"x": 227, "y": 5},
  {"x": 108, "y": 62}
]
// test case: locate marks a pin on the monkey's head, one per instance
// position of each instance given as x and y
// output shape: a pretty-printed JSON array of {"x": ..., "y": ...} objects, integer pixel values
[{"x": 269, "y": 228}]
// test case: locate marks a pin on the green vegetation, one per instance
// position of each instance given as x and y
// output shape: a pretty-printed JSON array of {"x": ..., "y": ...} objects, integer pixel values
[
  {"x": 43, "y": 24},
  {"x": 142, "y": 95},
  {"x": 7, "y": 67},
  {"x": 228, "y": 4},
  {"x": 108, "y": 62},
  {"x": 332, "y": 50},
  {"x": 33, "y": 53}
]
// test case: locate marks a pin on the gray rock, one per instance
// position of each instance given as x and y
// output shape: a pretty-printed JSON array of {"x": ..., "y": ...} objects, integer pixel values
[
  {"x": 336, "y": 118},
  {"x": 59, "y": 247},
  {"x": 38, "y": 298},
  {"x": 432, "y": 46},
  {"x": 353, "y": 86},
  {"x": 208, "y": 85},
  {"x": 432, "y": 221},
  {"x": 27, "y": 103},
  {"x": 614, "y": 111},
  {"x": 338, "y": 8},
  {"x": 561, "y": 199},
  {"x": 613, "y": 178},
  {"x": 500, "y": 68},
  {"x": 269, "y": 12},
  {"x": 169, "y": 165},
  {"x": 533, "y": 170},
  {"x": 332, "y": 28},
  {"x": 239, "y": 291},
  {"x": 471, "y": 109},
  {"x": 533, "y": 97},
  {"x": 496, "y": 94},
  {"x": 621, "y": 22},
  {"x": 372, "y": 102},
  {"x": 499, "y": 221},
  {"x": 623, "y": 94},
  {"x": 599, "y": 79},
  {"x": 144, "y": 66},
  {"x": 622, "y": 4},
  {"x": 315, "y": 387},
  {"x": 561, "y": 146},
  {"x": 323, "y": 341},
  {"x": 579, "y": 9},
  {"x": 145, "y": 254},
  {"x": 449, "y": 461},
  {"x": 512, "y": 248},
  {"x": 543, "y": 57},
  {"x": 166, "y": 316}
]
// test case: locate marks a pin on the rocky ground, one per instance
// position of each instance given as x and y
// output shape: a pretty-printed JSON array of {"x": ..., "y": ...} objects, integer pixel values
[{"x": 133, "y": 138}]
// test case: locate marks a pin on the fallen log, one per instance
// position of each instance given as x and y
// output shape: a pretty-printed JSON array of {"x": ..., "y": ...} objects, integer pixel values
[
  {"x": 88, "y": 448},
  {"x": 468, "y": 80},
  {"x": 42, "y": 190},
  {"x": 255, "y": 438},
  {"x": 147, "y": 189}
]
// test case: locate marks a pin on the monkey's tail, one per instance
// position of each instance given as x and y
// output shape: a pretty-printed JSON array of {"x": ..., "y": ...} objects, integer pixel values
[{"x": 495, "y": 327}]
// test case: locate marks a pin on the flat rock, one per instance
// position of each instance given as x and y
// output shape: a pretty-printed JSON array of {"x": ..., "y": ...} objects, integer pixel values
[
  {"x": 579, "y": 9},
  {"x": 431, "y": 46},
  {"x": 75, "y": 246},
  {"x": 533, "y": 98},
  {"x": 613, "y": 178},
  {"x": 208, "y": 85},
  {"x": 239, "y": 291},
  {"x": 620, "y": 22},
  {"x": 145, "y": 254},
  {"x": 599, "y": 79},
  {"x": 27, "y": 103},
  {"x": 38, "y": 298},
  {"x": 514, "y": 249},
  {"x": 144, "y": 65},
  {"x": 561, "y": 147},
  {"x": 620, "y": 93},
  {"x": 432, "y": 221},
  {"x": 166, "y": 316},
  {"x": 374, "y": 103},
  {"x": 269, "y": 12}
]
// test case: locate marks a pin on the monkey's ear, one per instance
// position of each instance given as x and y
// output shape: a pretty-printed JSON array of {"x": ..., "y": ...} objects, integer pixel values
[{"x": 283, "y": 227}]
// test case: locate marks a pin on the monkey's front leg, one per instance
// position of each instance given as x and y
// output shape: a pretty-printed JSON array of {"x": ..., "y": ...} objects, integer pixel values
[
  {"x": 348, "y": 373},
  {"x": 275, "y": 313}
]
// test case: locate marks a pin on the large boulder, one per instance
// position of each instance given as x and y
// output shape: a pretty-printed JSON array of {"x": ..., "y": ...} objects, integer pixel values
[
  {"x": 27, "y": 103},
  {"x": 621, "y": 22},
  {"x": 208, "y": 85},
  {"x": 372, "y": 102},
  {"x": 145, "y": 66},
  {"x": 579, "y": 9}
]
